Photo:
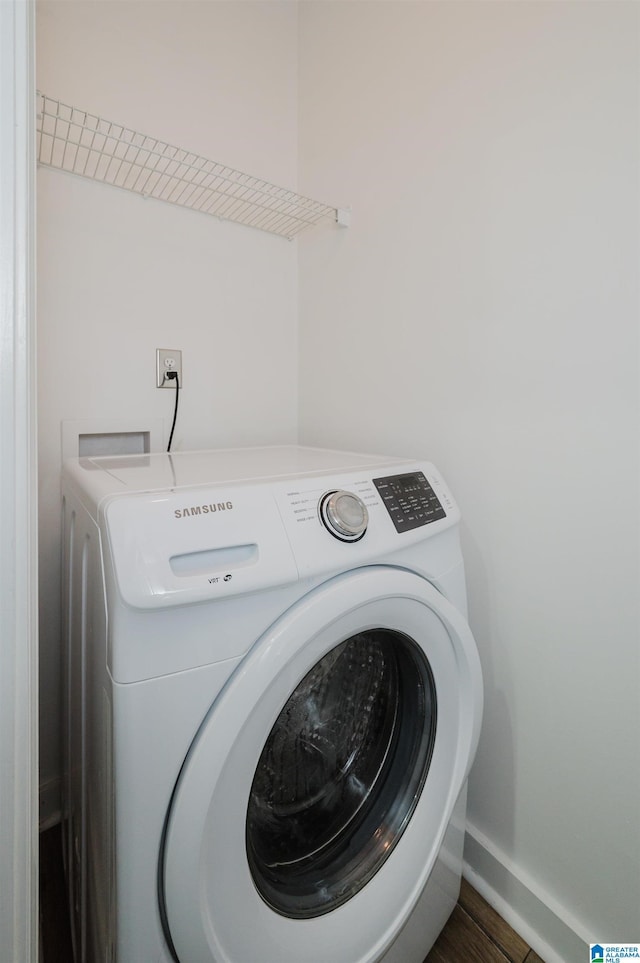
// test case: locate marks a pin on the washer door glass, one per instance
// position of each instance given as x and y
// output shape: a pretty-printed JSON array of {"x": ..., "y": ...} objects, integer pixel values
[{"x": 341, "y": 773}]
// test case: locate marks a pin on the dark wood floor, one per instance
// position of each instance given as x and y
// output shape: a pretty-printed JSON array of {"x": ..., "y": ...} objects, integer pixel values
[
  {"x": 54, "y": 914},
  {"x": 474, "y": 934}
]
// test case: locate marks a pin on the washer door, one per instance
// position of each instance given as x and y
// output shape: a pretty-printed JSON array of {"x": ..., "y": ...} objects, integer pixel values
[{"x": 315, "y": 796}]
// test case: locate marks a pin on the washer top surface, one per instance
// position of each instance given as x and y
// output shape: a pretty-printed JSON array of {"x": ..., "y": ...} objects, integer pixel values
[{"x": 104, "y": 475}]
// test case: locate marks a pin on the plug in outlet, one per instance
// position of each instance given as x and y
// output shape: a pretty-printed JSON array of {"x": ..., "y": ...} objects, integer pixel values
[{"x": 168, "y": 360}]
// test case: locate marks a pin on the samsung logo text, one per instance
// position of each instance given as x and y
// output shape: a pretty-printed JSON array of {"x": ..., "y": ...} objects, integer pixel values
[{"x": 203, "y": 509}]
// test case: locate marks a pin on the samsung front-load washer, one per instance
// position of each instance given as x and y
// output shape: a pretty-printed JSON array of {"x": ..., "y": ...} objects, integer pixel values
[{"x": 273, "y": 699}]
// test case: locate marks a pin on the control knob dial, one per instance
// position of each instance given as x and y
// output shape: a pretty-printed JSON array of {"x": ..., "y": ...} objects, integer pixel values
[{"x": 344, "y": 514}]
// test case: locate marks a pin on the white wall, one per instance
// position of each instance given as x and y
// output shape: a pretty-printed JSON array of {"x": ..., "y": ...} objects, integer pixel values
[
  {"x": 120, "y": 276},
  {"x": 482, "y": 311}
]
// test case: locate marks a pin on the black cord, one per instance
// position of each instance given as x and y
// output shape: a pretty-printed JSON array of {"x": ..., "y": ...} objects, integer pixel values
[{"x": 173, "y": 376}]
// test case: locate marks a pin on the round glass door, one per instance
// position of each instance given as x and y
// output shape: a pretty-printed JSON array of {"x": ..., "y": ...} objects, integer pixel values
[{"x": 341, "y": 773}]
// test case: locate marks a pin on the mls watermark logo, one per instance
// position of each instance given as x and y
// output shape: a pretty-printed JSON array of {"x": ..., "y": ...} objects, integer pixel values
[{"x": 614, "y": 952}]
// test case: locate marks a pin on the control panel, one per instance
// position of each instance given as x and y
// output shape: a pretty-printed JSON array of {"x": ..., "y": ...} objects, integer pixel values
[
  {"x": 192, "y": 542},
  {"x": 351, "y": 518},
  {"x": 410, "y": 500}
]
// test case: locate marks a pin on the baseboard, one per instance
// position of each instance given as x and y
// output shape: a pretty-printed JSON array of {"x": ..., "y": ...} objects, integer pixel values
[
  {"x": 539, "y": 919},
  {"x": 49, "y": 811}
]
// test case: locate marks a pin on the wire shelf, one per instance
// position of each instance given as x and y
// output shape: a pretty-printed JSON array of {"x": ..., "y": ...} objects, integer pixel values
[{"x": 73, "y": 140}]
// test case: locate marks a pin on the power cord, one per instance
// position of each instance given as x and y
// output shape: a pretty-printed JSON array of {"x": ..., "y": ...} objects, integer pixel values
[{"x": 173, "y": 376}]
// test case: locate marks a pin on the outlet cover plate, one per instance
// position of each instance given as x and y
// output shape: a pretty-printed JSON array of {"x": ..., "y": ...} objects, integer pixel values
[{"x": 168, "y": 359}]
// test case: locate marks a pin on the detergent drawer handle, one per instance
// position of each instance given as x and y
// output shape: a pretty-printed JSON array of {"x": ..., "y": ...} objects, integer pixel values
[{"x": 213, "y": 560}]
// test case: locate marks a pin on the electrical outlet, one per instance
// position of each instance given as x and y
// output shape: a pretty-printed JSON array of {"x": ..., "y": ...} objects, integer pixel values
[{"x": 168, "y": 360}]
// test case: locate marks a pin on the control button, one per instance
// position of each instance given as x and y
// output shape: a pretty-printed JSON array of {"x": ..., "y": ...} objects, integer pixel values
[{"x": 344, "y": 514}]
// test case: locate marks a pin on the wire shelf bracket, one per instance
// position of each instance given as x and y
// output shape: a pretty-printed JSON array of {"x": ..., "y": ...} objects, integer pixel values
[{"x": 74, "y": 140}]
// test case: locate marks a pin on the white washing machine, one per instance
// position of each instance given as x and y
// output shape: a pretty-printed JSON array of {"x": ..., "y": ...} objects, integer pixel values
[{"x": 273, "y": 701}]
